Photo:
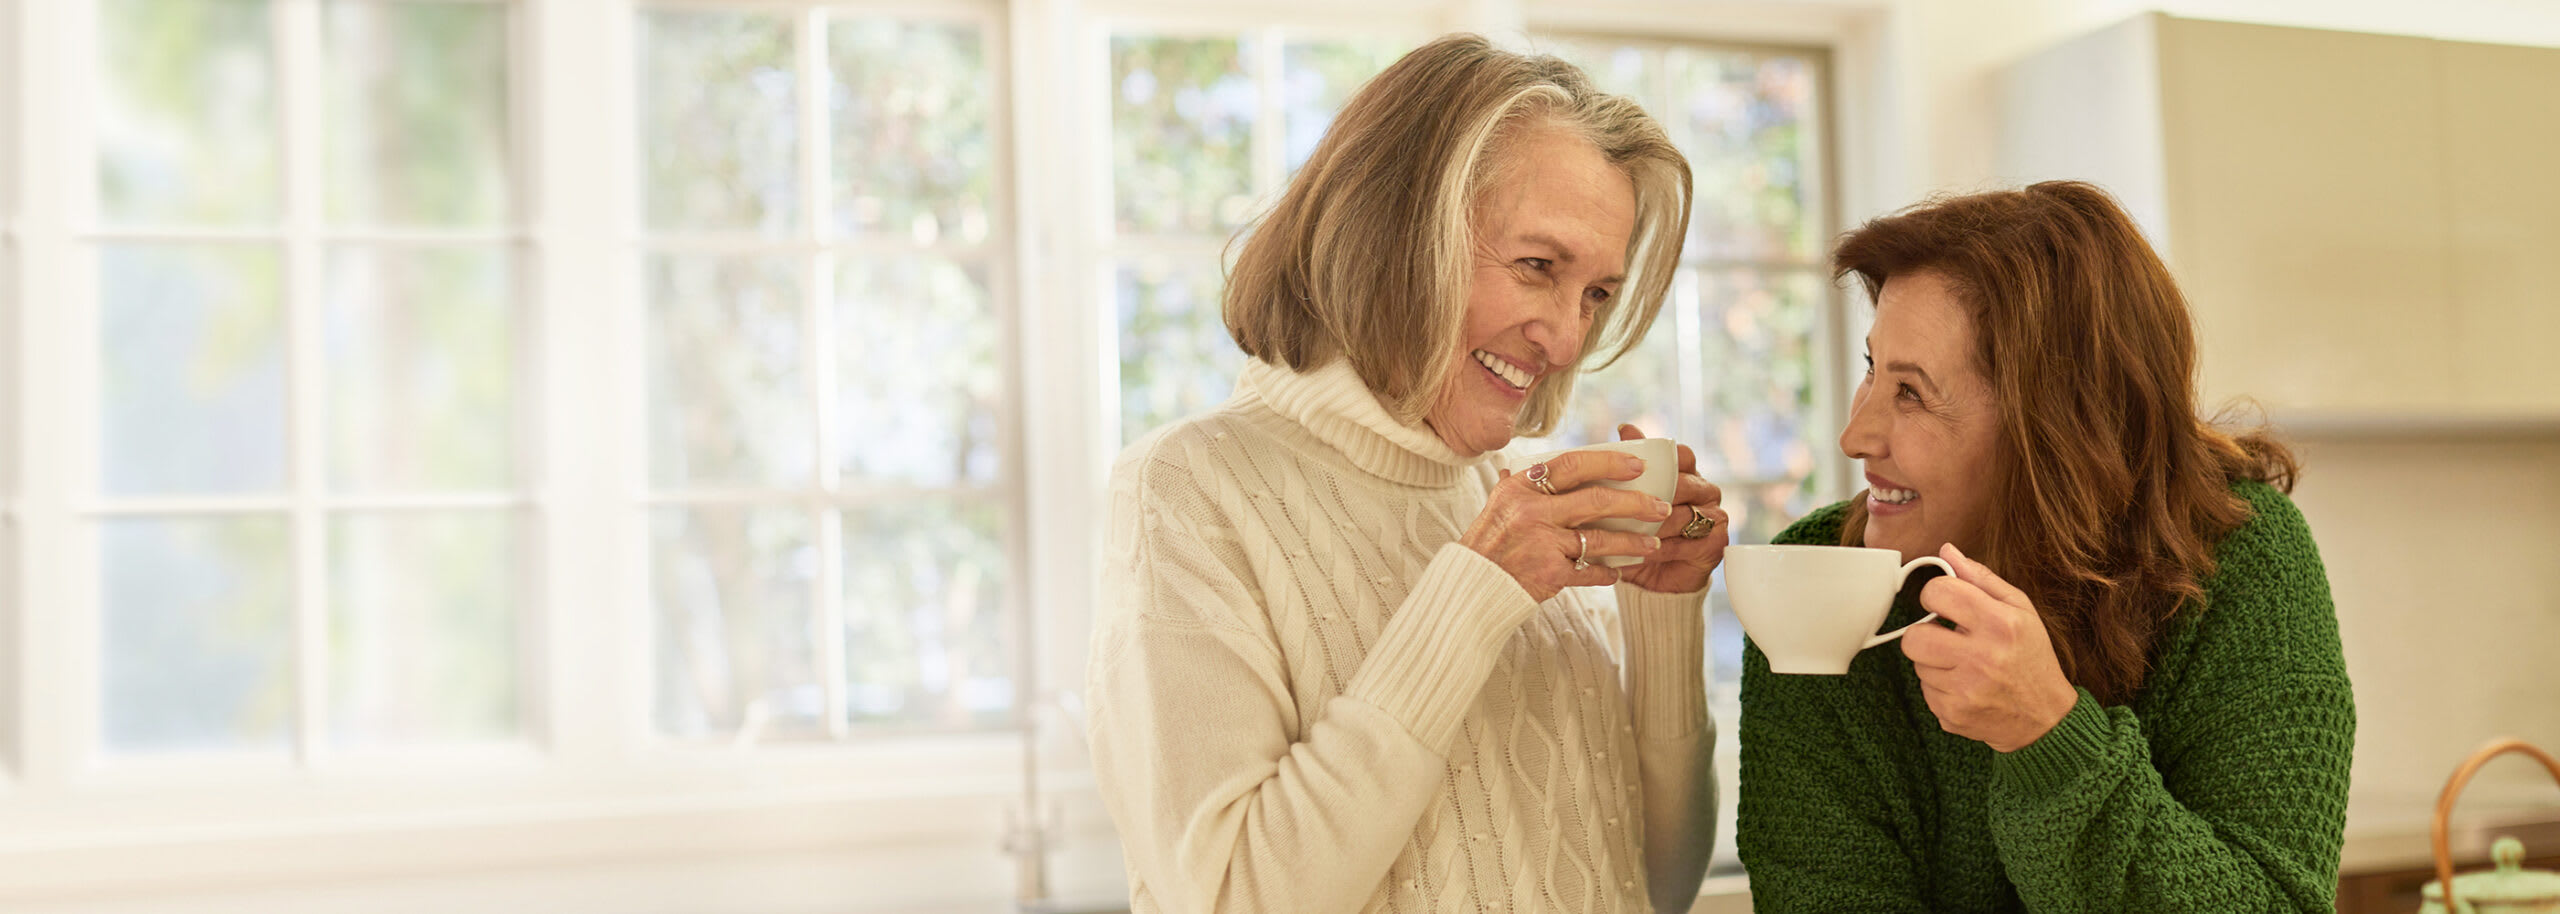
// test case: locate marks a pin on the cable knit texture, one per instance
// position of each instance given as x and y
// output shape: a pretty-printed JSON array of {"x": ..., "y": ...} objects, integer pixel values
[
  {"x": 2223, "y": 787},
  {"x": 1307, "y": 697}
]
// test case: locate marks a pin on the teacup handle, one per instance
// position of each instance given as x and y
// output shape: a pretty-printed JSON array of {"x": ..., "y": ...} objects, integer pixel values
[{"x": 1897, "y": 588}]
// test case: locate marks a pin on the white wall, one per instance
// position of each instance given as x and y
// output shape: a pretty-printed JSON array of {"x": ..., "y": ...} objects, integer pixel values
[{"x": 2444, "y": 555}]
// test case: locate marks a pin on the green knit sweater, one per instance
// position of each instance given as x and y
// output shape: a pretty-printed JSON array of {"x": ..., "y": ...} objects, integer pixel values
[{"x": 2222, "y": 788}]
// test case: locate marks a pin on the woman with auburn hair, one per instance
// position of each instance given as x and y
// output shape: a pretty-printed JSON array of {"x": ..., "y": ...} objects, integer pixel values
[
  {"x": 1340, "y": 664},
  {"x": 2136, "y": 700}
]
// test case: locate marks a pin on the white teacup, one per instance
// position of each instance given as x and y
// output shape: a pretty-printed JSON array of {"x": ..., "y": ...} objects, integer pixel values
[
  {"x": 1661, "y": 480},
  {"x": 1811, "y": 609}
]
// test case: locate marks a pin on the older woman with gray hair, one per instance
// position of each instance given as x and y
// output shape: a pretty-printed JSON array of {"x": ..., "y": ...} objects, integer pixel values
[{"x": 1342, "y": 665}]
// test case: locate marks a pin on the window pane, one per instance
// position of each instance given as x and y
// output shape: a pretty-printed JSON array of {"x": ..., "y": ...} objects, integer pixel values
[
  {"x": 919, "y": 379},
  {"x": 912, "y": 104},
  {"x": 1642, "y": 387},
  {"x": 1758, "y": 347},
  {"x": 719, "y": 121},
  {"x": 422, "y": 369},
  {"x": 732, "y": 591},
  {"x": 1320, "y": 76},
  {"x": 728, "y": 377},
  {"x": 186, "y": 114},
  {"x": 1746, "y": 122},
  {"x": 417, "y": 117},
  {"x": 197, "y": 641},
  {"x": 1762, "y": 511},
  {"x": 192, "y": 350},
  {"x": 1616, "y": 68},
  {"x": 1181, "y": 134},
  {"x": 423, "y": 629},
  {"x": 1175, "y": 356},
  {"x": 928, "y": 640}
]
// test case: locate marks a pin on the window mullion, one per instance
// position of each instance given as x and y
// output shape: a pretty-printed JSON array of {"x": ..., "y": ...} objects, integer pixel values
[
  {"x": 592, "y": 691},
  {"x": 1059, "y": 410},
  {"x": 299, "y": 77},
  {"x": 1831, "y": 355},
  {"x": 1687, "y": 325},
  {"x": 827, "y": 618},
  {"x": 56, "y": 664},
  {"x": 1687, "y": 300},
  {"x": 1031, "y": 643}
]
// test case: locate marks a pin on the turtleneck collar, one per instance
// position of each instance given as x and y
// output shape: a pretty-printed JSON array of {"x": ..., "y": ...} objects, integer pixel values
[{"x": 1332, "y": 402}]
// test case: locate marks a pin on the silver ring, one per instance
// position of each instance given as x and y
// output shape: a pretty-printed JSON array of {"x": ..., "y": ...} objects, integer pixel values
[
  {"x": 1580, "y": 562},
  {"x": 1537, "y": 476}
]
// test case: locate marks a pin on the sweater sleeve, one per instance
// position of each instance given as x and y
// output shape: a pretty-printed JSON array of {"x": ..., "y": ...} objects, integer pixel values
[
  {"x": 2238, "y": 801},
  {"x": 1225, "y": 799},
  {"x": 1818, "y": 827},
  {"x": 1666, "y": 637}
]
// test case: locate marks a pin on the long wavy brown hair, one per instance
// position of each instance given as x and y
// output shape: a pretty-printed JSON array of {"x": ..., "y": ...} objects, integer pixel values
[{"x": 2114, "y": 490}]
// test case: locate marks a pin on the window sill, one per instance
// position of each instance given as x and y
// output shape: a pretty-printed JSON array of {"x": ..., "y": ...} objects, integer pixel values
[{"x": 139, "y": 832}]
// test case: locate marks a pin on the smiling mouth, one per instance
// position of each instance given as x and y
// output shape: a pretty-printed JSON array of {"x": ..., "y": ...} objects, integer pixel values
[
  {"x": 1519, "y": 378},
  {"x": 1892, "y": 496}
]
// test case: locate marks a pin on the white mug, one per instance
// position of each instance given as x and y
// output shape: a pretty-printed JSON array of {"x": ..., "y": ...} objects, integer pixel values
[
  {"x": 1811, "y": 609},
  {"x": 1661, "y": 480}
]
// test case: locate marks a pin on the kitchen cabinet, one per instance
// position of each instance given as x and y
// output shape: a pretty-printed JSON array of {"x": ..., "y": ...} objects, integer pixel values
[
  {"x": 2356, "y": 219},
  {"x": 2502, "y": 168}
]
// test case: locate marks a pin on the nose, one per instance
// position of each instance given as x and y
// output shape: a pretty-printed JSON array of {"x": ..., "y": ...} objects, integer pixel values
[
  {"x": 1864, "y": 437},
  {"x": 1558, "y": 331}
]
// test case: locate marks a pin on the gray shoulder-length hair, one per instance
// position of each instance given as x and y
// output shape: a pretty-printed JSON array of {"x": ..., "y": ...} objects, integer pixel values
[{"x": 1365, "y": 255}]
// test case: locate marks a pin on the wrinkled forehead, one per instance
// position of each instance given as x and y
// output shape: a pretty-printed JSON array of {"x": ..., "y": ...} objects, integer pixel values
[{"x": 1559, "y": 188}]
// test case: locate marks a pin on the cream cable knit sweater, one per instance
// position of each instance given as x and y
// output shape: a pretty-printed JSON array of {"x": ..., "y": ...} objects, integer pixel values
[{"x": 1307, "y": 697}]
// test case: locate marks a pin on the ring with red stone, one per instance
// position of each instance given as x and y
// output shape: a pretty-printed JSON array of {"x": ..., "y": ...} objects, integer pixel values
[{"x": 1537, "y": 476}]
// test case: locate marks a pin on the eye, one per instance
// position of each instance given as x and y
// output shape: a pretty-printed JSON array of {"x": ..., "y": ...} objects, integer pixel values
[
  {"x": 1593, "y": 299},
  {"x": 1871, "y": 364},
  {"x": 1908, "y": 393},
  {"x": 1539, "y": 264}
]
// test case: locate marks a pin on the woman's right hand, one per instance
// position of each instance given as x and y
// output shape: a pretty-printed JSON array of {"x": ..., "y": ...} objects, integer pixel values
[{"x": 1531, "y": 533}]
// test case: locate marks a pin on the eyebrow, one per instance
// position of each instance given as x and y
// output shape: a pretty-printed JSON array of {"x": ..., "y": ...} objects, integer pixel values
[
  {"x": 1565, "y": 254},
  {"x": 1914, "y": 368}
]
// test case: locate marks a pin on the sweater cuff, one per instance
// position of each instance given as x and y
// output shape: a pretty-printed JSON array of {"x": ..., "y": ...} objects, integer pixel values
[
  {"x": 1431, "y": 661},
  {"x": 1666, "y": 660},
  {"x": 2056, "y": 760}
]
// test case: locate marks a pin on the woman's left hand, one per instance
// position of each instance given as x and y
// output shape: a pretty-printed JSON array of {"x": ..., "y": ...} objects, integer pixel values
[
  {"x": 1683, "y": 563},
  {"x": 1993, "y": 677}
]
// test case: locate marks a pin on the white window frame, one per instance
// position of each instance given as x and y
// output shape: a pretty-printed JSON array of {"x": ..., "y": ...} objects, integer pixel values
[
  {"x": 302, "y": 240},
  {"x": 910, "y": 821},
  {"x": 818, "y": 247},
  {"x": 1264, "y": 34},
  {"x": 10, "y": 602},
  {"x": 595, "y": 767}
]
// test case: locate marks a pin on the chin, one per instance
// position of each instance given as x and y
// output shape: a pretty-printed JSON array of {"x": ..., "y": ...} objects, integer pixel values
[
  {"x": 1888, "y": 541},
  {"x": 1489, "y": 434},
  {"x": 1482, "y": 444}
]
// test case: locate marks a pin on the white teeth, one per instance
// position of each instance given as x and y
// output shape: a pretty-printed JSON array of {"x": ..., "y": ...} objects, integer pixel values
[
  {"x": 1893, "y": 496},
  {"x": 1510, "y": 373}
]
